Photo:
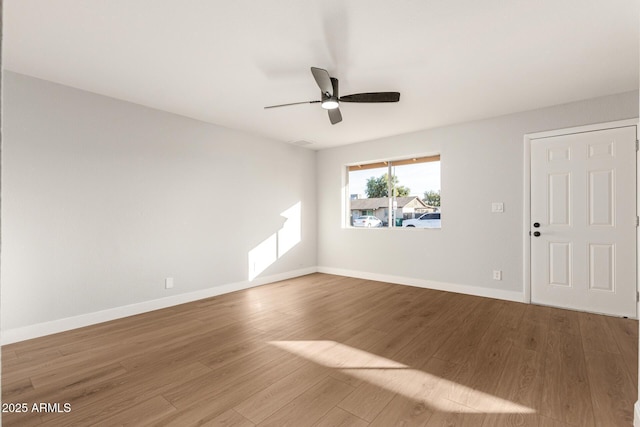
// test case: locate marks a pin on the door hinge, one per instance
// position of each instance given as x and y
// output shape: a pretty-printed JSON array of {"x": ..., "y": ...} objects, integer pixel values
[
  {"x": 637, "y": 296},
  {"x": 637, "y": 145},
  {"x": 637, "y": 221}
]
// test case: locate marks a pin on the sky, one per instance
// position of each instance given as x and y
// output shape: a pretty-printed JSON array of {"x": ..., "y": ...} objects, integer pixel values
[{"x": 419, "y": 178}]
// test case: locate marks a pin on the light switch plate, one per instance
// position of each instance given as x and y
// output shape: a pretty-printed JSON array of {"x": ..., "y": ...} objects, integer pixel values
[{"x": 497, "y": 207}]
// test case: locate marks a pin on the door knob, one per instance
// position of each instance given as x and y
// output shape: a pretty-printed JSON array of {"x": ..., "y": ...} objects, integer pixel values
[
  {"x": 536, "y": 224},
  {"x": 536, "y": 233}
]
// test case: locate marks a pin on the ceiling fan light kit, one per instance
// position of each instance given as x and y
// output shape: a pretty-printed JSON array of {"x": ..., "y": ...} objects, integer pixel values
[
  {"x": 330, "y": 98},
  {"x": 330, "y": 104}
]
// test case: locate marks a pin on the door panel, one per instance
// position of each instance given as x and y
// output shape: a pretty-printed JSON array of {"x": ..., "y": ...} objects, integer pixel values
[
  {"x": 559, "y": 201},
  {"x": 601, "y": 198},
  {"x": 601, "y": 267},
  {"x": 560, "y": 263},
  {"x": 583, "y": 195}
]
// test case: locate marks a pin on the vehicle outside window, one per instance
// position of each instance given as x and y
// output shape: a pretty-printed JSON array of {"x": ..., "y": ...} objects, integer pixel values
[
  {"x": 367, "y": 221},
  {"x": 428, "y": 220}
]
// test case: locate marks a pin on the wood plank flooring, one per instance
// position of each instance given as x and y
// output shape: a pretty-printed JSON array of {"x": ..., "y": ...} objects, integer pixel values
[{"x": 324, "y": 350}]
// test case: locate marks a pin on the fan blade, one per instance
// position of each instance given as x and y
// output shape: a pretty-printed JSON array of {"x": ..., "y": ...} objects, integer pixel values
[
  {"x": 293, "y": 103},
  {"x": 323, "y": 79},
  {"x": 335, "y": 116},
  {"x": 372, "y": 97}
]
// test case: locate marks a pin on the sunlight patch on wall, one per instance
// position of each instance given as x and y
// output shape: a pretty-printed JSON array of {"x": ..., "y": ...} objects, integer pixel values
[
  {"x": 279, "y": 243},
  {"x": 262, "y": 256},
  {"x": 290, "y": 233},
  {"x": 399, "y": 378}
]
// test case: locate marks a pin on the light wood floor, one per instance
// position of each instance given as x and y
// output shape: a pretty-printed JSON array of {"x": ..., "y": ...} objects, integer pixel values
[{"x": 325, "y": 350}]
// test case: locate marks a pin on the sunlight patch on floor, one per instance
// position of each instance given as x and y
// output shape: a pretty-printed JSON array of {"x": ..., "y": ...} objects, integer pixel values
[
  {"x": 333, "y": 354},
  {"x": 397, "y": 377}
]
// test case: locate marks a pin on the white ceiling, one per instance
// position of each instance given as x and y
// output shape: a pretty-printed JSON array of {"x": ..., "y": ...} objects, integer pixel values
[{"x": 223, "y": 61}]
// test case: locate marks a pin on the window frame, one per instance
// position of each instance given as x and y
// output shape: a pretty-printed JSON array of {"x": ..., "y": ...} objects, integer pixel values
[{"x": 377, "y": 164}]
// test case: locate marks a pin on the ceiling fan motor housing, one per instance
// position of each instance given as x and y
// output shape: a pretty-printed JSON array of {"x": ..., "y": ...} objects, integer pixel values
[{"x": 330, "y": 101}]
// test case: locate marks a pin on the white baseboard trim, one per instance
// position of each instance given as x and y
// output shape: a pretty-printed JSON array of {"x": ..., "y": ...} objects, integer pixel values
[
  {"x": 636, "y": 414},
  {"x": 53, "y": 327},
  {"x": 429, "y": 284}
]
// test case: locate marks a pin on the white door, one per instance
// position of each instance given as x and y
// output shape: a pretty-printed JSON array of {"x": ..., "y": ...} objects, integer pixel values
[{"x": 583, "y": 221}]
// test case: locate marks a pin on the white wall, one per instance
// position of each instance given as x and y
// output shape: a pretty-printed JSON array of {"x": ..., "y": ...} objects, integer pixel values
[
  {"x": 482, "y": 162},
  {"x": 103, "y": 199}
]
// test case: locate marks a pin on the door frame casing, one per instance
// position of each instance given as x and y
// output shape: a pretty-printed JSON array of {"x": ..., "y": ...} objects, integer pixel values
[{"x": 526, "y": 220}]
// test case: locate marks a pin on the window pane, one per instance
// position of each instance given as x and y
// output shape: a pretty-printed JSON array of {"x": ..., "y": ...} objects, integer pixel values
[
  {"x": 361, "y": 204},
  {"x": 421, "y": 181}
]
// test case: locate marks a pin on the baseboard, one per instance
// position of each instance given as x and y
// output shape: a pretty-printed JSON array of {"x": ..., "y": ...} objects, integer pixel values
[
  {"x": 636, "y": 414},
  {"x": 428, "y": 284},
  {"x": 47, "y": 328}
]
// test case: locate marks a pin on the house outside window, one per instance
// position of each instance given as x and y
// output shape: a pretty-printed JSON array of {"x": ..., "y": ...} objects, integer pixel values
[{"x": 413, "y": 190}]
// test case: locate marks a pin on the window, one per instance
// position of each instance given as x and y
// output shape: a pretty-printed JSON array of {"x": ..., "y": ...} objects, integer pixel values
[{"x": 410, "y": 199}]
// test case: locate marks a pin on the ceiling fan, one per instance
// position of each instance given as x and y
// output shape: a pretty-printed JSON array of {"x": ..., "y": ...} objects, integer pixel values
[{"x": 330, "y": 98}]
